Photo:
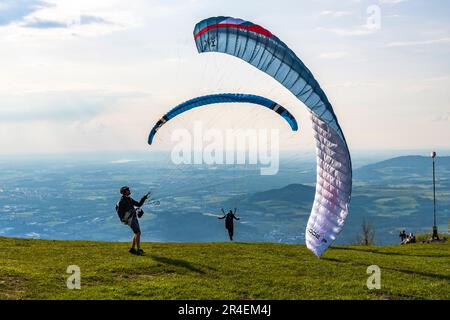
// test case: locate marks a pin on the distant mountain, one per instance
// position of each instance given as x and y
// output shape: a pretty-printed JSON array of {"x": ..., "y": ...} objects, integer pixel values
[
  {"x": 405, "y": 167},
  {"x": 408, "y": 161},
  {"x": 293, "y": 193},
  {"x": 291, "y": 199}
]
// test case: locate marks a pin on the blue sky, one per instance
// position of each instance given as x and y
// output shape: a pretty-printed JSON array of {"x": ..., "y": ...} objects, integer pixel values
[{"x": 95, "y": 75}]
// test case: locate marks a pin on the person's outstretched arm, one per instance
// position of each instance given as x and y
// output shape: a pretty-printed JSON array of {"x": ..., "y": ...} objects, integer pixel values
[
  {"x": 224, "y": 214},
  {"x": 236, "y": 217},
  {"x": 141, "y": 202}
]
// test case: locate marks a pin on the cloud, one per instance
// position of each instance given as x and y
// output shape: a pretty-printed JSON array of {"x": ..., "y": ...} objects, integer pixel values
[
  {"x": 351, "y": 32},
  {"x": 419, "y": 43},
  {"x": 87, "y": 19},
  {"x": 445, "y": 117},
  {"x": 335, "y": 14},
  {"x": 334, "y": 55},
  {"x": 357, "y": 84},
  {"x": 63, "y": 18},
  {"x": 88, "y": 127},
  {"x": 122, "y": 161},
  {"x": 437, "y": 79},
  {"x": 63, "y": 106},
  {"x": 16, "y": 10},
  {"x": 392, "y": 1},
  {"x": 45, "y": 24},
  {"x": 52, "y": 24}
]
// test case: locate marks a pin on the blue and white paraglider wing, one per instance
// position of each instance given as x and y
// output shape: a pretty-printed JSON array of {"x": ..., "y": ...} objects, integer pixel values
[{"x": 224, "y": 98}]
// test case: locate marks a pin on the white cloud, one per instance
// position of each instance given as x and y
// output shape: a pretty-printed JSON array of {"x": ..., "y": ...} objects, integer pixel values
[
  {"x": 70, "y": 18},
  {"x": 437, "y": 79},
  {"x": 445, "y": 117},
  {"x": 356, "y": 84},
  {"x": 419, "y": 43},
  {"x": 122, "y": 161},
  {"x": 335, "y": 14},
  {"x": 89, "y": 127},
  {"x": 392, "y": 1},
  {"x": 351, "y": 32},
  {"x": 334, "y": 55}
]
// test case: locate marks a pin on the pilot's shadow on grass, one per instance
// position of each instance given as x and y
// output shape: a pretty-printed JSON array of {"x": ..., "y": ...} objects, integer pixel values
[
  {"x": 177, "y": 263},
  {"x": 412, "y": 272}
]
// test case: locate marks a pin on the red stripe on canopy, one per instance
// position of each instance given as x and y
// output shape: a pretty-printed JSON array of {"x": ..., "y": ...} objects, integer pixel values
[{"x": 253, "y": 28}]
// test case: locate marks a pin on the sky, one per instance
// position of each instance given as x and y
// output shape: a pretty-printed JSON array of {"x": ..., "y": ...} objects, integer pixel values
[{"x": 96, "y": 75}]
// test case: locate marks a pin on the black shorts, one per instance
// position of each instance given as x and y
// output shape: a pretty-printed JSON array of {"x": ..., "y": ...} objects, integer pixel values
[{"x": 134, "y": 225}]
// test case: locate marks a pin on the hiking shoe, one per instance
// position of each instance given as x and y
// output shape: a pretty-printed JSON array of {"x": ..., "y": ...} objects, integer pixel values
[
  {"x": 140, "y": 252},
  {"x": 133, "y": 251}
]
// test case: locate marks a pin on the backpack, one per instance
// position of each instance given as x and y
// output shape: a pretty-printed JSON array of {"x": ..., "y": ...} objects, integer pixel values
[
  {"x": 124, "y": 216},
  {"x": 120, "y": 214}
]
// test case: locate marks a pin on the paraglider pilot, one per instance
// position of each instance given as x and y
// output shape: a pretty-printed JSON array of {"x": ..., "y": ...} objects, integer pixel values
[
  {"x": 128, "y": 214},
  {"x": 229, "y": 223}
]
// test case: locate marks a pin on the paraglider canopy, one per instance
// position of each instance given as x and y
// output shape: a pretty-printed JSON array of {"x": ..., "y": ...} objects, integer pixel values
[
  {"x": 224, "y": 98},
  {"x": 262, "y": 49}
]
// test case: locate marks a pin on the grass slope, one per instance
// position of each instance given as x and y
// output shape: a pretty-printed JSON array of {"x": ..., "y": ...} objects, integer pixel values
[{"x": 36, "y": 269}]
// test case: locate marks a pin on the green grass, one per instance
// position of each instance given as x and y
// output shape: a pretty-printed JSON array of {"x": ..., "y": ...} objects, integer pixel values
[
  {"x": 36, "y": 269},
  {"x": 426, "y": 236}
]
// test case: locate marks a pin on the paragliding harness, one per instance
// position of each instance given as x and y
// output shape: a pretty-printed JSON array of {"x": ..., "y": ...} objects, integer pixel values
[
  {"x": 126, "y": 216},
  {"x": 229, "y": 222}
]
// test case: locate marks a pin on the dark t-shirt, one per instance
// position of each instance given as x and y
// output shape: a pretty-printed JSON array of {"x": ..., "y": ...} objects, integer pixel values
[{"x": 126, "y": 204}]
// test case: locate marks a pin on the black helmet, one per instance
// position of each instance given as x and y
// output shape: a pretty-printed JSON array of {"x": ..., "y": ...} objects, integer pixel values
[{"x": 123, "y": 189}]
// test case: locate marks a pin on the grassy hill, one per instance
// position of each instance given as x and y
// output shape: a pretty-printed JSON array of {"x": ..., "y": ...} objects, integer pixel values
[{"x": 36, "y": 269}]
